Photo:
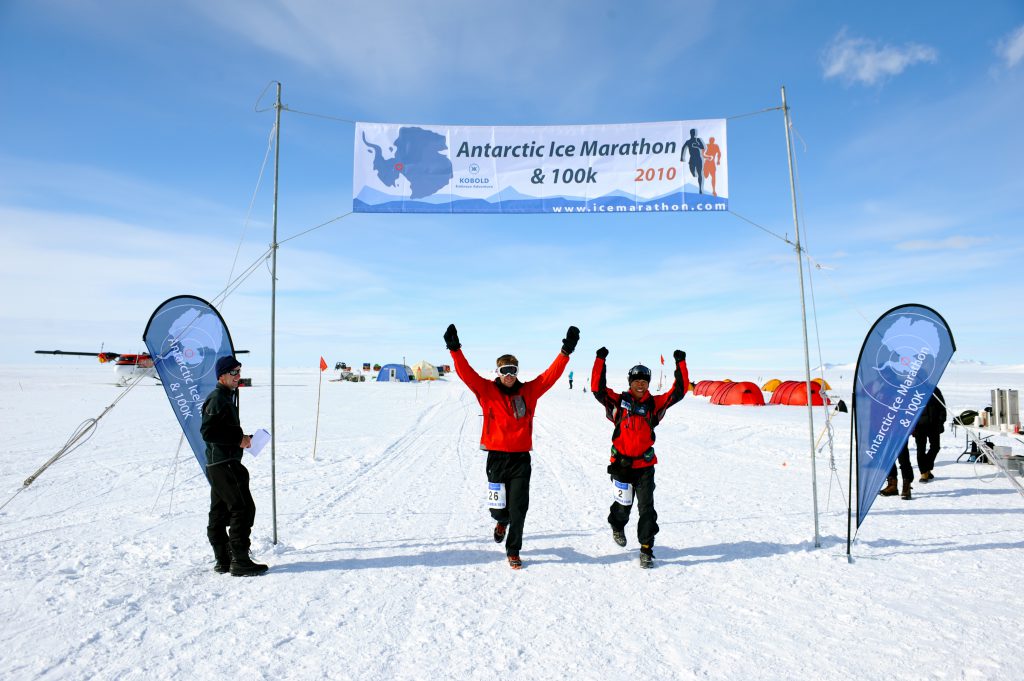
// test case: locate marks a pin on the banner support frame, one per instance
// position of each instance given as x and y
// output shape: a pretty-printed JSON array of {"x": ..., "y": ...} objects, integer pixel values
[
  {"x": 803, "y": 317},
  {"x": 273, "y": 315}
]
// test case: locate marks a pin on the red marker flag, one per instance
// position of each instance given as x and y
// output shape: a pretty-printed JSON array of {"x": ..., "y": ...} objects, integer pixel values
[
  {"x": 663, "y": 360},
  {"x": 323, "y": 364}
]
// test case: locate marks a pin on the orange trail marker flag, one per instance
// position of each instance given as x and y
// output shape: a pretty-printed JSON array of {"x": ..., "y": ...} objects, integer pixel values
[{"x": 323, "y": 364}]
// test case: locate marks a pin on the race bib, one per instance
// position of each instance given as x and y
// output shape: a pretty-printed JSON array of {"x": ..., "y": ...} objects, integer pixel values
[
  {"x": 622, "y": 492},
  {"x": 496, "y": 495}
]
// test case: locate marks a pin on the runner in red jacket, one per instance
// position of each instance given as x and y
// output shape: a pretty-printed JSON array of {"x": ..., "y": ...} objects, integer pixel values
[
  {"x": 635, "y": 414},
  {"x": 507, "y": 436}
]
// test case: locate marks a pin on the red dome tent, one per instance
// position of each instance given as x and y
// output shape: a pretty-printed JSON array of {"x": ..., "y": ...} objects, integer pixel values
[
  {"x": 711, "y": 387},
  {"x": 718, "y": 387},
  {"x": 702, "y": 387},
  {"x": 795, "y": 393},
  {"x": 743, "y": 392}
]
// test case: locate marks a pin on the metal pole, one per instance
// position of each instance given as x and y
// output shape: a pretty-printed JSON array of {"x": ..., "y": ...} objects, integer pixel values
[
  {"x": 849, "y": 503},
  {"x": 273, "y": 316},
  {"x": 803, "y": 317},
  {"x": 316, "y": 429}
]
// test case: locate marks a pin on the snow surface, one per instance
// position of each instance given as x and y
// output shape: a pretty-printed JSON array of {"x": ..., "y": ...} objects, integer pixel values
[{"x": 385, "y": 567}]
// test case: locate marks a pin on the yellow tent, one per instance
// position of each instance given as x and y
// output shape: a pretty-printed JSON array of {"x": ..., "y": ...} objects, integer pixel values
[
  {"x": 822, "y": 382},
  {"x": 771, "y": 385},
  {"x": 424, "y": 371}
]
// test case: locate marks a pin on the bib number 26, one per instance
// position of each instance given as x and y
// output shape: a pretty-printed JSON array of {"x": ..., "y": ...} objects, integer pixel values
[{"x": 496, "y": 495}]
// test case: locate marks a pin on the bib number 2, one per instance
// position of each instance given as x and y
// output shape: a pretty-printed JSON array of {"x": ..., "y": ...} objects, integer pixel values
[
  {"x": 622, "y": 492},
  {"x": 496, "y": 495}
]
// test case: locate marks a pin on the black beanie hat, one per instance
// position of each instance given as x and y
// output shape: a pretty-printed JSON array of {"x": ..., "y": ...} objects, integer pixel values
[
  {"x": 639, "y": 373},
  {"x": 226, "y": 364}
]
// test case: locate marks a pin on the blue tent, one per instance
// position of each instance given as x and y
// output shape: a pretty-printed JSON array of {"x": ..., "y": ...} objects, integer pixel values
[{"x": 395, "y": 372}]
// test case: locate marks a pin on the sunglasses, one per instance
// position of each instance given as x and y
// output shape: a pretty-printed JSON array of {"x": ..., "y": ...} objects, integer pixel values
[
  {"x": 236, "y": 372},
  {"x": 508, "y": 370}
]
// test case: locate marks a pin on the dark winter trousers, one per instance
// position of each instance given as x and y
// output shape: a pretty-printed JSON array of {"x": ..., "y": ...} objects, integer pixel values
[
  {"x": 231, "y": 505},
  {"x": 927, "y": 450},
  {"x": 642, "y": 480},
  {"x": 513, "y": 469},
  {"x": 906, "y": 470}
]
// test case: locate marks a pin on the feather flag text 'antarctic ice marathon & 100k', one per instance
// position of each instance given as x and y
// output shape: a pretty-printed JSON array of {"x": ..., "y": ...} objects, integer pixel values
[
  {"x": 185, "y": 336},
  {"x": 674, "y": 166},
  {"x": 900, "y": 363}
]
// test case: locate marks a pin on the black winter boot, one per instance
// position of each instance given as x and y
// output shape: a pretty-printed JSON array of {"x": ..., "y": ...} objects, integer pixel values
[
  {"x": 905, "y": 494},
  {"x": 646, "y": 556},
  {"x": 222, "y": 553},
  {"x": 619, "y": 536},
  {"x": 890, "y": 488},
  {"x": 242, "y": 565}
]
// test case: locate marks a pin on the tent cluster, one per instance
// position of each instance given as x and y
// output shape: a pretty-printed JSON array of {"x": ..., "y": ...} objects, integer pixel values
[
  {"x": 730, "y": 392},
  {"x": 746, "y": 393},
  {"x": 401, "y": 373}
]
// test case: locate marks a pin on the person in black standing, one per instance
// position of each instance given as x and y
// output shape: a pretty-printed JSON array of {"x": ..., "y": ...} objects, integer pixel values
[
  {"x": 926, "y": 434},
  {"x": 231, "y": 503},
  {"x": 906, "y": 470}
]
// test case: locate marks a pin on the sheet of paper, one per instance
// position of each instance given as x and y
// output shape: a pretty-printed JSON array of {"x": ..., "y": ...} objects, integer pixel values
[{"x": 259, "y": 440}]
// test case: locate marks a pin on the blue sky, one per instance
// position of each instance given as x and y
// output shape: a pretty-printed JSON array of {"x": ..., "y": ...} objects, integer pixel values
[{"x": 131, "y": 152}]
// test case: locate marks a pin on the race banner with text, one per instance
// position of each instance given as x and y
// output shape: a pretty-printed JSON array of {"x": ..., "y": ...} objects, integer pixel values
[
  {"x": 676, "y": 166},
  {"x": 900, "y": 363},
  {"x": 185, "y": 336}
]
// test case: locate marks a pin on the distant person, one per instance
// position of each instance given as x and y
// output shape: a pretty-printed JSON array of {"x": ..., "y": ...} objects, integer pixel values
[
  {"x": 508, "y": 406},
  {"x": 906, "y": 470},
  {"x": 695, "y": 147},
  {"x": 570, "y": 380},
  {"x": 926, "y": 434},
  {"x": 712, "y": 157},
  {"x": 635, "y": 413},
  {"x": 231, "y": 503}
]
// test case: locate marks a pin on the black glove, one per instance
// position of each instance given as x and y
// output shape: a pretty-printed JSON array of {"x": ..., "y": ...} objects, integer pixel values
[
  {"x": 678, "y": 356},
  {"x": 602, "y": 353},
  {"x": 572, "y": 336},
  {"x": 451, "y": 338}
]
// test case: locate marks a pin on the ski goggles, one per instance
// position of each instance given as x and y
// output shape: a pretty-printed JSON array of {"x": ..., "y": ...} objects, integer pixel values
[
  {"x": 508, "y": 370},
  {"x": 234, "y": 372}
]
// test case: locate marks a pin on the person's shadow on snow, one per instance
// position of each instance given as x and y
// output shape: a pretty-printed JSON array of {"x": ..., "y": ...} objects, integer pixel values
[
  {"x": 726, "y": 553},
  {"x": 441, "y": 558}
]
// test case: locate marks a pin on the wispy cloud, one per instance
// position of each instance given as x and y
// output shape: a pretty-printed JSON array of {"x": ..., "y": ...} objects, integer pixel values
[
  {"x": 865, "y": 61},
  {"x": 953, "y": 243},
  {"x": 1011, "y": 47},
  {"x": 399, "y": 49}
]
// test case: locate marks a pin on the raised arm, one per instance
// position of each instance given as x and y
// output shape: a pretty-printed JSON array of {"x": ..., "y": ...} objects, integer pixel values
[
  {"x": 599, "y": 383},
  {"x": 679, "y": 386},
  {"x": 474, "y": 381},
  {"x": 543, "y": 383}
]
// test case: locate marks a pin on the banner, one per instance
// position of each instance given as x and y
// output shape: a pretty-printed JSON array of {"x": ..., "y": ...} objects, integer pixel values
[
  {"x": 900, "y": 363},
  {"x": 676, "y": 166},
  {"x": 185, "y": 336}
]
